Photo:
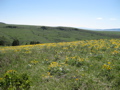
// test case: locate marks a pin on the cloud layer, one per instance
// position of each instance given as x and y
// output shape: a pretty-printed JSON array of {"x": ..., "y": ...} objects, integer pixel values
[
  {"x": 99, "y": 18},
  {"x": 113, "y": 19}
]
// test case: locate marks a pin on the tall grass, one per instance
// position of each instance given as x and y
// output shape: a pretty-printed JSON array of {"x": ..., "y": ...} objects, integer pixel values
[{"x": 81, "y": 65}]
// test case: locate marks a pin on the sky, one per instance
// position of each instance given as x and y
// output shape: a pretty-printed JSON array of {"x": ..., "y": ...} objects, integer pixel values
[{"x": 96, "y": 14}]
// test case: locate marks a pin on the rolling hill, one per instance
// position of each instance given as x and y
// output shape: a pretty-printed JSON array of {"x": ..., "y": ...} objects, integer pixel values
[{"x": 45, "y": 34}]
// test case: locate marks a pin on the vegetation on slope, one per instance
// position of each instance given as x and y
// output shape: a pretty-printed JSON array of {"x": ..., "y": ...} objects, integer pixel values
[
  {"x": 81, "y": 65},
  {"x": 43, "y": 34}
]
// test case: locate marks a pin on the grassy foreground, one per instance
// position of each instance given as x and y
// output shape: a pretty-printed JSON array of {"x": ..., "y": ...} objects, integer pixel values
[{"x": 81, "y": 65}]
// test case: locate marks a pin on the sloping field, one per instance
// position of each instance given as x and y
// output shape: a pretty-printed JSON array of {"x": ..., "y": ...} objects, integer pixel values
[
  {"x": 44, "y": 34},
  {"x": 81, "y": 65}
]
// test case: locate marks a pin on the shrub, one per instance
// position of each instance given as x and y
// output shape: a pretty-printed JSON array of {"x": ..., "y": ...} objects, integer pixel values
[
  {"x": 2, "y": 43},
  {"x": 15, "y": 43},
  {"x": 11, "y": 26},
  {"x": 34, "y": 42},
  {"x": 44, "y": 28},
  {"x": 14, "y": 81}
]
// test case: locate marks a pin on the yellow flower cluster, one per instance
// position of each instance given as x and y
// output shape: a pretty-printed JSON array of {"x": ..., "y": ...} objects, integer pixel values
[
  {"x": 10, "y": 71},
  {"x": 54, "y": 64},
  {"x": 80, "y": 59},
  {"x": 77, "y": 58},
  {"x": 76, "y": 79},
  {"x": 107, "y": 66},
  {"x": 27, "y": 52},
  {"x": 93, "y": 45},
  {"x": 34, "y": 62},
  {"x": 115, "y": 52},
  {"x": 1, "y": 78}
]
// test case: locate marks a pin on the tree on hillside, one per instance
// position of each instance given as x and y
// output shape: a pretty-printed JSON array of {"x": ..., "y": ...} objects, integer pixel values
[
  {"x": 15, "y": 42},
  {"x": 60, "y": 28},
  {"x": 2, "y": 43},
  {"x": 11, "y": 26},
  {"x": 44, "y": 28},
  {"x": 34, "y": 42}
]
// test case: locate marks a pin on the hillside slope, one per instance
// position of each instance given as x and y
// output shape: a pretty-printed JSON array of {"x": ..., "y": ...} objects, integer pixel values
[{"x": 44, "y": 34}]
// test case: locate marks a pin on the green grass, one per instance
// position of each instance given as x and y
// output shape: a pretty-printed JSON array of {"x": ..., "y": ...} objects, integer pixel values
[
  {"x": 110, "y": 32},
  {"x": 26, "y": 33},
  {"x": 82, "y": 65}
]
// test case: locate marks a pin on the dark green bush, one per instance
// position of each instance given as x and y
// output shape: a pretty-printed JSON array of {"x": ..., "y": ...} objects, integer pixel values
[{"x": 15, "y": 43}]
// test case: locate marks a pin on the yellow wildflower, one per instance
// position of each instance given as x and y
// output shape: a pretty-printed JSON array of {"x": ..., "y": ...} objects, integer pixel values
[
  {"x": 106, "y": 67},
  {"x": 53, "y": 64},
  {"x": 34, "y": 62},
  {"x": 76, "y": 79},
  {"x": 9, "y": 71},
  {"x": 109, "y": 62},
  {"x": 1, "y": 78},
  {"x": 49, "y": 73}
]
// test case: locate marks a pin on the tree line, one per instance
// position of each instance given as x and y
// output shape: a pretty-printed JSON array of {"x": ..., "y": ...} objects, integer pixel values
[{"x": 15, "y": 42}]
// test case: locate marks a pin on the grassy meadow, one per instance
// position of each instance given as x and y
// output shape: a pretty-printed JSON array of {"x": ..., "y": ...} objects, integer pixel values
[{"x": 77, "y": 65}]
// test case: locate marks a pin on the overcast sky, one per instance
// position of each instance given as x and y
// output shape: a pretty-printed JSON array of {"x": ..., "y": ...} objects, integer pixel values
[{"x": 97, "y": 14}]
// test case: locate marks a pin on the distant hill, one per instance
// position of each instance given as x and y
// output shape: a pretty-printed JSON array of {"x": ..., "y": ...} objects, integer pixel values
[
  {"x": 28, "y": 34},
  {"x": 113, "y": 29},
  {"x": 2, "y": 23},
  {"x": 117, "y": 29}
]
